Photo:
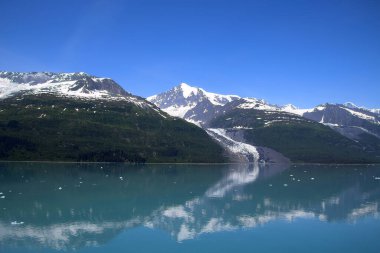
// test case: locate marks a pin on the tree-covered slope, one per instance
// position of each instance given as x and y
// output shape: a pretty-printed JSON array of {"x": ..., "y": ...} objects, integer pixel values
[
  {"x": 48, "y": 127},
  {"x": 299, "y": 139}
]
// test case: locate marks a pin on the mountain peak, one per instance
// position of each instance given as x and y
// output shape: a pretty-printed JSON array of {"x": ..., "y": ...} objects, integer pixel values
[
  {"x": 77, "y": 84},
  {"x": 188, "y": 90},
  {"x": 289, "y": 107},
  {"x": 183, "y": 98},
  {"x": 350, "y": 105},
  {"x": 186, "y": 86}
]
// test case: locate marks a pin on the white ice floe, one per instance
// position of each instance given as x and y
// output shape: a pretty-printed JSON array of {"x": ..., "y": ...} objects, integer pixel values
[{"x": 17, "y": 222}]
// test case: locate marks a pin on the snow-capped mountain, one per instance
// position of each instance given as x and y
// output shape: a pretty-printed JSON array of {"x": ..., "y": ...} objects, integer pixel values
[
  {"x": 356, "y": 123},
  {"x": 357, "y": 111},
  {"x": 246, "y": 126},
  {"x": 294, "y": 109},
  {"x": 341, "y": 114},
  {"x": 80, "y": 117},
  {"x": 349, "y": 120},
  {"x": 191, "y": 103},
  {"x": 79, "y": 85},
  {"x": 200, "y": 107},
  {"x": 353, "y": 106},
  {"x": 347, "y": 116}
]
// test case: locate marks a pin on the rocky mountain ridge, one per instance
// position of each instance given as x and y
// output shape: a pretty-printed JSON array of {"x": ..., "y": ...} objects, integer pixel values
[
  {"x": 78, "y": 117},
  {"x": 358, "y": 127},
  {"x": 79, "y": 84}
]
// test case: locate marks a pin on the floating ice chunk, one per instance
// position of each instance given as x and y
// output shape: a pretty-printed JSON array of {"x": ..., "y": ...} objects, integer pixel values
[
  {"x": 2, "y": 197},
  {"x": 17, "y": 223},
  {"x": 121, "y": 178},
  {"x": 1, "y": 193},
  {"x": 285, "y": 185},
  {"x": 377, "y": 178},
  {"x": 312, "y": 178},
  {"x": 60, "y": 188}
]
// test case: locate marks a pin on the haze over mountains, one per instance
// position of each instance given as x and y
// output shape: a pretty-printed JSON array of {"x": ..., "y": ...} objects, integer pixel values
[{"x": 80, "y": 117}]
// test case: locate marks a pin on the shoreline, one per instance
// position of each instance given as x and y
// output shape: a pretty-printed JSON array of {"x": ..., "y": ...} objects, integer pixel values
[{"x": 169, "y": 163}]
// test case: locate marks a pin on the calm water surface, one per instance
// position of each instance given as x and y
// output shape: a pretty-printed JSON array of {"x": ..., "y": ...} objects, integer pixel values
[{"x": 188, "y": 208}]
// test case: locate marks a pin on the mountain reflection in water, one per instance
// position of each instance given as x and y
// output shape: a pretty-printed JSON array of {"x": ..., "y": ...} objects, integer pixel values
[{"x": 72, "y": 206}]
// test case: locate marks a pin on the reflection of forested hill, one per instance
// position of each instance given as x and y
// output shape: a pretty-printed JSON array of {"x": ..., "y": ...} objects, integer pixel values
[{"x": 66, "y": 206}]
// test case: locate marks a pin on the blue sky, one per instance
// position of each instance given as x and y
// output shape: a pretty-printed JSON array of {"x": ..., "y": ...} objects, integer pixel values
[{"x": 298, "y": 51}]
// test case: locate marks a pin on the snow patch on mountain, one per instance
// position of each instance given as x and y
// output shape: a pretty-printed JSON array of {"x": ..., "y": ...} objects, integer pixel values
[
  {"x": 178, "y": 111},
  {"x": 258, "y": 104},
  {"x": 289, "y": 107},
  {"x": 77, "y": 85},
  {"x": 353, "y": 106},
  {"x": 187, "y": 90},
  {"x": 218, "y": 99},
  {"x": 200, "y": 107},
  {"x": 295, "y": 110},
  {"x": 181, "y": 100},
  {"x": 362, "y": 115}
]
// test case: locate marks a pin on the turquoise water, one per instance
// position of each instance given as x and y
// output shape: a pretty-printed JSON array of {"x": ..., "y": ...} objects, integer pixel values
[{"x": 47, "y": 207}]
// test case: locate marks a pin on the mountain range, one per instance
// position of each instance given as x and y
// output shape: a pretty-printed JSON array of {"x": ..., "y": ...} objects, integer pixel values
[
  {"x": 80, "y": 117},
  {"x": 337, "y": 133}
]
